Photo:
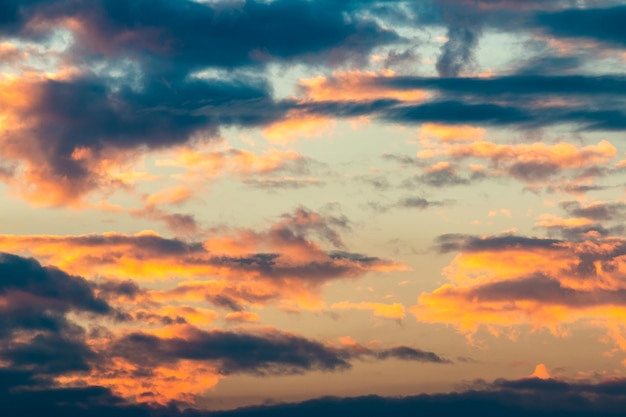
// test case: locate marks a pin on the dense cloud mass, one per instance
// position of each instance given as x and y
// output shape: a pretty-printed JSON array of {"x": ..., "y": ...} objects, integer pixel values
[
  {"x": 465, "y": 159},
  {"x": 40, "y": 343},
  {"x": 36, "y": 333},
  {"x": 525, "y": 397},
  {"x": 85, "y": 116}
]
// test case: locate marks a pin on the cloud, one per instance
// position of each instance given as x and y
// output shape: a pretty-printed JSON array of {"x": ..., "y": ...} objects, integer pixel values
[
  {"x": 538, "y": 165},
  {"x": 504, "y": 283},
  {"x": 180, "y": 31},
  {"x": 457, "y": 52},
  {"x": 512, "y": 88},
  {"x": 355, "y": 86},
  {"x": 265, "y": 353},
  {"x": 242, "y": 317},
  {"x": 272, "y": 170},
  {"x": 599, "y": 210},
  {"x": 40, "y": 311},
  {"x": 91, "y": 128},
  {"x": 406, "y": 353},
  {"x": 289, "y": 261},
  {"x": 522, "y": 397},
  {"x": 183, "y": 362},
  {"x": 172, "y": 357},
  {"x": 598, "y": 24}
]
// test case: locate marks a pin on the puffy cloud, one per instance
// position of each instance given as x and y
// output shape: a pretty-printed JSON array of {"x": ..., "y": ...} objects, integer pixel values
[
  {"x": 39, "y": 329},
  {"x": 285, "y": 262},
  {"x": 172, "y": 358},
  {"x": 504, "y": 282},
  {"x": 539, "y": 165},
  {"x": 67, "y": 136}
]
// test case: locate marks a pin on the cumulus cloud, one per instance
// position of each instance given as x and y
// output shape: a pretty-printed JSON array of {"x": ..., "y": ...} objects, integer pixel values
[
  {"x": 286, "y": 262},
  {"x": 502, "y": 283}
]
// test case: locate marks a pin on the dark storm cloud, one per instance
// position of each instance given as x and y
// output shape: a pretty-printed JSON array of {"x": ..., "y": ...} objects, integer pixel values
[
  {"x": 597, "y": 24},
  {"x": 468, "y": 243}
]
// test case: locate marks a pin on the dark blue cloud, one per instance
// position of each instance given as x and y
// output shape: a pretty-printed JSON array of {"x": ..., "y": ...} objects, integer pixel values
[
  {"x": 517, "y": 398},
  {"x": 92, "y": 113},
  {"x": 35, "y": 332},
  {"x": 191, "y": 35},
  {"x": 270, "y": 353},
  {"x": 598, "y": 24},
  {"x": 515, "y": 85},
  {"x": 599, "y": 104}
]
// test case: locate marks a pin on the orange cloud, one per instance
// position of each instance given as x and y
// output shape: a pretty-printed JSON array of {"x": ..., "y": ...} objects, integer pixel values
[
  {"x": 289, "y": 261},
  {"x": 355, "y": 86},
  {"x": 174, "y": 195},
  {"x": 298, "y": 125},
  {"x": 430, "y": 132},
  {"x": 540, "y": 372},
  {"x": 242, "y": 317},
  {"x": 562, "y": 155},
  {"x": 38, "y": 177},
  {"x": 563, "y": 166},
  {"x": 202, "y": 165},
  {"x": 506, "y": 282},
  {"x": 182, "y": 381}
]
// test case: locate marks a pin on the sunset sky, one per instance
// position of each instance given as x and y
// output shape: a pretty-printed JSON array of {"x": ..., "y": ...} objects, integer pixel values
[{"x": 384, "y": 206}]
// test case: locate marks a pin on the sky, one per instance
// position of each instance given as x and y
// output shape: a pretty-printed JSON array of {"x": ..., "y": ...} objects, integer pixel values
[{"x": 312, "y": 207}]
